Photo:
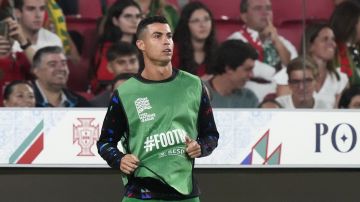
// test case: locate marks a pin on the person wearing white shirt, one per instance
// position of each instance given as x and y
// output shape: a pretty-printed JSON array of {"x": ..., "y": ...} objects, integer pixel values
[
  {"x": 321, "y": 47},
  {"x": 274, "y": 50},
  {"x": 30, "y": 15},
  {"x": 302, "y": 72}
]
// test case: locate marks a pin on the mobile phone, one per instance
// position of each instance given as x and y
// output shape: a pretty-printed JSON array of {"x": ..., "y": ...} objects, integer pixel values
[{"x": 4, "y": 29}]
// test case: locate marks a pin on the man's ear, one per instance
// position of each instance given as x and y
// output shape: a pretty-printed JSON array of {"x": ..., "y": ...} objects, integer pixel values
[
  {"x": 35, "y": 71},
  {"x": 243, "y": 17},
  {"x": 108, "y": 66},
  {"x": 140, "y": 44}
]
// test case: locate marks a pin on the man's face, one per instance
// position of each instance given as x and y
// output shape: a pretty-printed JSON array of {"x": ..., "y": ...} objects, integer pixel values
[
  {"x": 53, "y": 71},
  {"x": 302, "y": 85},
  {"x": 156, "y": 43},
  {"x": 124, "y": 64},
  {"x": 242, "y": 74},
  {"x": 32, "y": 14},
  {"x": 258, "y": 14}
]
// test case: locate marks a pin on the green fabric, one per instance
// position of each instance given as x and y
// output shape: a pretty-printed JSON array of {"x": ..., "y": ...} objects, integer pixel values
[
  {"x": 160, "y": 115},
  {"x": 169, "y": 12},
  {"x": 126, "y": 199}
]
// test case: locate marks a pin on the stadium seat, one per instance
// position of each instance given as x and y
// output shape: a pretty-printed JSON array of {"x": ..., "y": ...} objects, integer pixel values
[
  {"x": 315, "y": 10},
  {"x": 224, "y": 28},
  {"x": 90, "y": 9},
  {"x": 224, "y": 9},
  {"x": 78, "y": 77}
]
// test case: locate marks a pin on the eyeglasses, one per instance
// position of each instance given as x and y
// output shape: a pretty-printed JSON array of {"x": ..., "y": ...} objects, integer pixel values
[
  {"x": 297, "y": 82},
  {"x": 198, "y": 21},
  {"x": 129, "y": 17}
]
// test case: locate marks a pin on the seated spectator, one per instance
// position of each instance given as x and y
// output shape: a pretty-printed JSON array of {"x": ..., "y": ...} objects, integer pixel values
[
  {"x": 350, "y": 99},
  {"x": 345, "y": 21},
  {"x": 302, "y": 75},
  {"x": 102, "y": 100},
  {"x": 31, "y": 16},
  {"x": 19, "y": 93},
  {"x": 160, "y": 7},
  {"x": 232, "y": 69},
  {"x": 274, "y": 50},
  {"x": 13, "y": 66},
  {"x": 122, "y": 58},
  {"x": 120, "y": 24},
  {"x": 321, "y": 47},
  {"x": 51, "y": 71},
  {"x": 195, "y": 40}
]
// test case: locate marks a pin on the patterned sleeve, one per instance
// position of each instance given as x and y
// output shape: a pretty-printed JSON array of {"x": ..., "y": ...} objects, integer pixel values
[
  {"x": 113, "y": 130},
  {"x": 208, "y": 134}
]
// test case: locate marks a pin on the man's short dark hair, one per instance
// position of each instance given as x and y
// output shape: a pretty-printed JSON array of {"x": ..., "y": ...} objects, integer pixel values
[
  {"x": 119, "y": 49},
  {"x": 18, "y": 4},
  {"x": 43, "y": 51},
  {"x": 148, "y": 21},
  {"x": 232, "y": 53},
  {"x": 244, "y": 5}
]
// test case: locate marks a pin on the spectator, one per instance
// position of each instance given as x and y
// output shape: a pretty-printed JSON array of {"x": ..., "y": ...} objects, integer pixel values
[
  {"x": 19, "y": 93},
  {"x": 274, "y": 50},
  {"x": 302, "y": 73},
  {"x": 121, "y": 22},
  {"x": 321, "y": 47},
  {"x": 31, "y": 15},
  {"x": 102, "y": 100},
  {"x": 13, "y": 66},
  {"x": 350, "y": 99},
  {"x": 344, "y": 21},
  {"x": 232, "y": 69},
  {"x": 160, "y": 7},
  {"x": 51, "y": 70},
  {"x": 122, "y": 58},
  {"x": 195, "y": 39}
]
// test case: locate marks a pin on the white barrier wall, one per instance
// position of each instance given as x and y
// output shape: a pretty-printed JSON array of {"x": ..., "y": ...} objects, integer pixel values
[{"x": 56, "y": 137}]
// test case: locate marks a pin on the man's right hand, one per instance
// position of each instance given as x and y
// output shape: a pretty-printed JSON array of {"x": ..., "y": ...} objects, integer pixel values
[{"x": 129, "y": 163}]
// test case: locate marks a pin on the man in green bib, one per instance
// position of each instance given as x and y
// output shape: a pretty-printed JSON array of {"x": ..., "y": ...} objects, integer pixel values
[{"x": 163, "y": 119}]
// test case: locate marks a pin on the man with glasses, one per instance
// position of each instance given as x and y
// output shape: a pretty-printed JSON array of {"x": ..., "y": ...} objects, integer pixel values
[{"x": 302, "y": 74}]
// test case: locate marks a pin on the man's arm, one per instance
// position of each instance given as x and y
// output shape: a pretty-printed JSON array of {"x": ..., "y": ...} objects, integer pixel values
[
  {"x": 112, "y": 131},
  {"x": 208, "y": 134}
]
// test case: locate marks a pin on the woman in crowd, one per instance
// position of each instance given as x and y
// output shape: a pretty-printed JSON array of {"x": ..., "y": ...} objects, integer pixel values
[
  {"x": 345, "y": 22},
  {"x": 121, "y": 23},
  {"x": 19, "y": 93},
  {"x": 321, "y": 47},
  {"x": 195, "y": 40}
]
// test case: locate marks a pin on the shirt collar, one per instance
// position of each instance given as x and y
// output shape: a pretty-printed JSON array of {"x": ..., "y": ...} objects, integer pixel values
[{"x": 65, "y": 102}]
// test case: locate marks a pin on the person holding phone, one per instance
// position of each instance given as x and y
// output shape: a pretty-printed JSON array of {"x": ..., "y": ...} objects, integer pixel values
[{"x": 13, "y": 66}]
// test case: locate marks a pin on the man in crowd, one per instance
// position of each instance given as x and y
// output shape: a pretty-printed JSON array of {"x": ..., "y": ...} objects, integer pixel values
[
  {"x": 51, "y": 71},
  {"x": 233, "y": 67},
  {"x": 274, "y": 51}
]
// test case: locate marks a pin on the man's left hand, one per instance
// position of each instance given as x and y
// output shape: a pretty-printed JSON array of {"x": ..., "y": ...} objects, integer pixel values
[{"x": 193, "y": 148}]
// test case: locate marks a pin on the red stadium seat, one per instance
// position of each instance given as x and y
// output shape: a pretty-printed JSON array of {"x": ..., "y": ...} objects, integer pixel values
[
  {"x": 224, "y": 28},
  {"x": 90, "y": 9},
  {"x": 315, "y": 10},
  {"x": 224, "y": 9},
  {"x": 78, "y": 78},
  {"x": 292, "y": 31}
]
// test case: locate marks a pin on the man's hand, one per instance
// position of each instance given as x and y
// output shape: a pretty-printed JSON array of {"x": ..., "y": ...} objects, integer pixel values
[
  {"x": 270, "y": 32},
  {"x": 193, "y": 149},
  {"x": 16, "y": 32},
  {"x": 129, "y": 163}
]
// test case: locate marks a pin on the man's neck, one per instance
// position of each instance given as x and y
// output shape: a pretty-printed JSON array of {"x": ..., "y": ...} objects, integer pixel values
[
  {"x": 156, "y": 72},
  {"x": 31, "y": 35},
  {"x": 221, "y": 85}
]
